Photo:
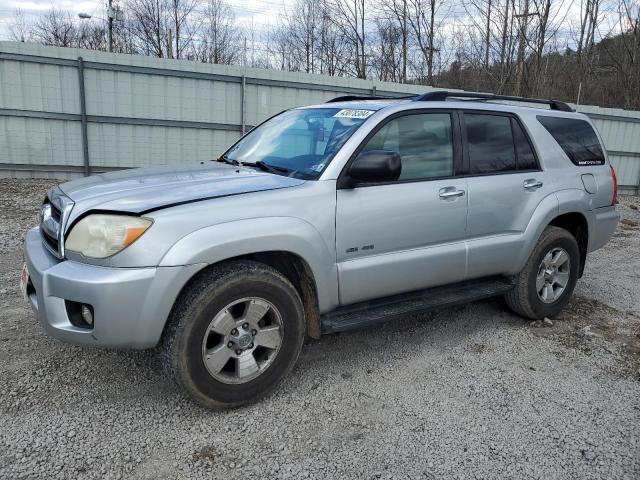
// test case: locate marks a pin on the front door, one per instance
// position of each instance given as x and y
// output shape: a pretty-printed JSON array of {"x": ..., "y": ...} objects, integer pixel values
[{"x": 405, "y": 235}]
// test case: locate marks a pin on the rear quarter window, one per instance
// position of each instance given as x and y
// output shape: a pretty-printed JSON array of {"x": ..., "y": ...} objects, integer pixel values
[{"x": 577, "y": 138}]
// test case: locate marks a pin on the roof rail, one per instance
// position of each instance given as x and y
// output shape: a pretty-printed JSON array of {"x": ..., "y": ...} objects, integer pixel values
[
  {"x": 442, "y": 95},
  {"x": 351, "y": 98}
]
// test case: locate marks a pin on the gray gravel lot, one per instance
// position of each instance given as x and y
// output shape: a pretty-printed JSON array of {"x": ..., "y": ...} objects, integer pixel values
[{"x": 467, "y": 392}]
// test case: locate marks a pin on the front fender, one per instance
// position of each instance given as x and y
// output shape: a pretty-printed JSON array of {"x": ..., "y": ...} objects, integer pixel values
[{"x": 220, "y": 242}]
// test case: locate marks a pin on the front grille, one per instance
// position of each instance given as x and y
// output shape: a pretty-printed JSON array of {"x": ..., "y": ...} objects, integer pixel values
[
  {"x": 50, "y": 241},
  {"x": 50, "y": 228},
  {"x": 55, "y": 211}
]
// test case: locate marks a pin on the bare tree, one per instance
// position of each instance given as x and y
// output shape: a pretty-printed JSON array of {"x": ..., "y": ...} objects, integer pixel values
[
  {"x": 388, "y": 59},
  {"x": 181, "y": 12},
  {"x": 56, "y": 28},
  {"x": 20, "y": 30},
  {"x": 349, "y": 16},
  {"x": 623, "y": 50},
  {"x": 423, "y": 24},
  {"x": 333, "y": 47},
  {"x": 397, "y": 11},
  {"x": 149, "y": 25},
  {"x": 220, "y": 37},
  {"x": 549, "y": 21},
  {"x": 92, "y": 36},
  {"x": 301, "y": 31},
  {"x": 590, "y": 19}
]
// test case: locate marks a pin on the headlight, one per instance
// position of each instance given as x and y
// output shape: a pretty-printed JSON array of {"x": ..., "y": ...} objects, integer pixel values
[{"x": 101, "y": 236}]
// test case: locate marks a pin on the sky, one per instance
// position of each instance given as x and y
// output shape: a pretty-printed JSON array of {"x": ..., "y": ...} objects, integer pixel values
[{"x": 262, "y": 13}]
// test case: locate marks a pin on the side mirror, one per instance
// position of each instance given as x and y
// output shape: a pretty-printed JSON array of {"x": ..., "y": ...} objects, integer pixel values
[{"x": 376, "y": 166}]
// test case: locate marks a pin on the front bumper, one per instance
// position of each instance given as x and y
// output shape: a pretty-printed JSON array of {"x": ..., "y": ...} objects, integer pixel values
[{"x": 130, "y": 305}]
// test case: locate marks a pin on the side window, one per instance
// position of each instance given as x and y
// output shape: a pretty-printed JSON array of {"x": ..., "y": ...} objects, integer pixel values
[
  {"x": 491, "y": 146},
  {"x": 526, "y": 157},
  {"x": 424, "y": 142},
  {"x": 577, "y": 139}
]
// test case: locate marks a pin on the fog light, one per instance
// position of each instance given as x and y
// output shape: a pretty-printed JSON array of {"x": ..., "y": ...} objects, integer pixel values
[{"x": 87, "y": 314}]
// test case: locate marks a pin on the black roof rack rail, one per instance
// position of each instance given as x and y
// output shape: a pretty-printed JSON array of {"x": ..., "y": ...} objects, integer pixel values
[
  {"x": 439, "y": 96},
  {"x": 351, "y": 98}
]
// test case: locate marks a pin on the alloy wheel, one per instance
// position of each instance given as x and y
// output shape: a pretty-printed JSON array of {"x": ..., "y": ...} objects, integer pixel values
[
  {"x": 242, "y": 340},
  {"x": 553, "y": 275}
]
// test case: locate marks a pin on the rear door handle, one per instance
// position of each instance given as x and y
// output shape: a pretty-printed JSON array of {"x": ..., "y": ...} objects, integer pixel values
[
  {"x": 450, "y": 192},
  {"x": 532, "y": 184}
]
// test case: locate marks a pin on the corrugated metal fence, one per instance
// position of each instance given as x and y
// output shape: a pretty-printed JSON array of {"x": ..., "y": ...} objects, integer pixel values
[{"x": 68, "y": 112}]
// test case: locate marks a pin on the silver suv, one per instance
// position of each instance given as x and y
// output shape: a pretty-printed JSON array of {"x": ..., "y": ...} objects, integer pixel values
[{"x": 323, "y": 219}]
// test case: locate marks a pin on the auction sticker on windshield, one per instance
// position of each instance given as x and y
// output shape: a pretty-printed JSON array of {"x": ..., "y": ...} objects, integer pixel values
[{"x": 350, "y": 113}]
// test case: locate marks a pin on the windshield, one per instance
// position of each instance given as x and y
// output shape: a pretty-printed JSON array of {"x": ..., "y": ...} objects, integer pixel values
[{"x": 298, "y": 143}]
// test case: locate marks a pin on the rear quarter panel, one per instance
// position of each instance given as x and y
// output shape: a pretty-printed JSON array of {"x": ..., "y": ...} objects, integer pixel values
[{"x": 568, "y": 182}]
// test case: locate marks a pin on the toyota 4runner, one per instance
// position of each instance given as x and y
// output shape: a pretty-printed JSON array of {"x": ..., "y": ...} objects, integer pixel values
[{"x": 323, "y": 219}]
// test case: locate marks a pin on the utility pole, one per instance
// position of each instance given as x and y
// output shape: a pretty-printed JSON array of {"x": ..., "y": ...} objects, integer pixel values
[
  {"x": 110, "y": 17},
  {"x": 170, "y": 44},
  {"x": 404, "y": 41},
  {"x": 244, "y": 54},
  {"x": 522, "y": 43},
  {"x": 113, "y": 13}
]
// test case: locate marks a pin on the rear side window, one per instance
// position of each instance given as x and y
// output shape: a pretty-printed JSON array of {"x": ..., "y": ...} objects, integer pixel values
[
  {"x": 577, "y": 139},
  {"x": 491, "y": 146}
]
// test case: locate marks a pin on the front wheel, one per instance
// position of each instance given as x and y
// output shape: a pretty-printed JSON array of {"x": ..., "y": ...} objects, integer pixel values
[
  {"x": 547, "y": 281},
  {"x": 234, "y": 334}
]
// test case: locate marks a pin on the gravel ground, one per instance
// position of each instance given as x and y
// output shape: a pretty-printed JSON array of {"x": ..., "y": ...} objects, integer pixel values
[{"x": 468, "y": 392}]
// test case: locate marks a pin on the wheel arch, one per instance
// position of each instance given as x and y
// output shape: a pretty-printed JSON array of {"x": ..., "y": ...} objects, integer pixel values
[
  {"x": 563, "y": 209},
  {"x": 299, "y": 273},
  {"x": 576, "y": 224},
  {"x": 293, "y": 266}
]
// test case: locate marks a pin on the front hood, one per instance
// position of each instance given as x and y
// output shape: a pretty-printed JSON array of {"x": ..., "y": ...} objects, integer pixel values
[{"x": 145, "y": 189}]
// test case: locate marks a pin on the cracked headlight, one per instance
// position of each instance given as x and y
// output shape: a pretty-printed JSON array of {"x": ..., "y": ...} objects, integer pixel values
[{"x": 102, "y": 235}]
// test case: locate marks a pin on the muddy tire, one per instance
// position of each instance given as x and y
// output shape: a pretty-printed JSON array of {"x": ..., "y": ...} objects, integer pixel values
[
  {"x": 546, "y": 283},
  {"x": 234, "y": 333}
]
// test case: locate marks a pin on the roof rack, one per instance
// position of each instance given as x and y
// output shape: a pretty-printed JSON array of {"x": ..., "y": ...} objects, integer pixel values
[
  {"x": 440, "y": 96},
  {"x": 351, "y": 98}
]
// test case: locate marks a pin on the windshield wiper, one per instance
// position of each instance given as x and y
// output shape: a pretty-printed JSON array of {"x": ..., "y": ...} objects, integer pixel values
[
  {"x": 227, "y": 160},
  {"x": 268, "y": 168}
]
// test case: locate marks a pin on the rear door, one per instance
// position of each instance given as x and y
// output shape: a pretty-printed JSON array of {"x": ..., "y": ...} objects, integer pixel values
[
  {"x": 409, "y": 234},
  {"x": 505, "y": 184}
]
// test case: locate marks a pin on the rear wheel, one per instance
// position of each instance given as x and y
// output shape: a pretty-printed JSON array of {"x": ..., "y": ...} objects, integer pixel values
[
  {"x": 234, "y": 334},
  {"x": 547, "y": 281}
]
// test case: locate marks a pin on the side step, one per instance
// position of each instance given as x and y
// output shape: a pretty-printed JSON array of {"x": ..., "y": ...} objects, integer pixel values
[{"x": 364, "y": 314}]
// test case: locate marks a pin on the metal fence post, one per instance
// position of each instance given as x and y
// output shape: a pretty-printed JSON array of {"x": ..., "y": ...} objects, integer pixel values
[
  {"x": 243, "y": 112},
  {"x": 83, "y": 118}
]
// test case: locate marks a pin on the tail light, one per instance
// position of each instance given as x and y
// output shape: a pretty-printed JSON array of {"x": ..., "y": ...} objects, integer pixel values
[{"x": 614, "y": 198}]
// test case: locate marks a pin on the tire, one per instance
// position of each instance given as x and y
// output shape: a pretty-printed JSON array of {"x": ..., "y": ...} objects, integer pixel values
[
  {"x": 525, "y": 299},
  {"x": 227, "y": 298}
]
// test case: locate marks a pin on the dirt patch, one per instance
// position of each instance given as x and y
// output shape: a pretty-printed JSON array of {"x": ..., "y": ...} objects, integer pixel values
[
  {"x": 587, "y": 324},
  {"x": 206, "y": 454},
  {"x": 627, "y": 224}
]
